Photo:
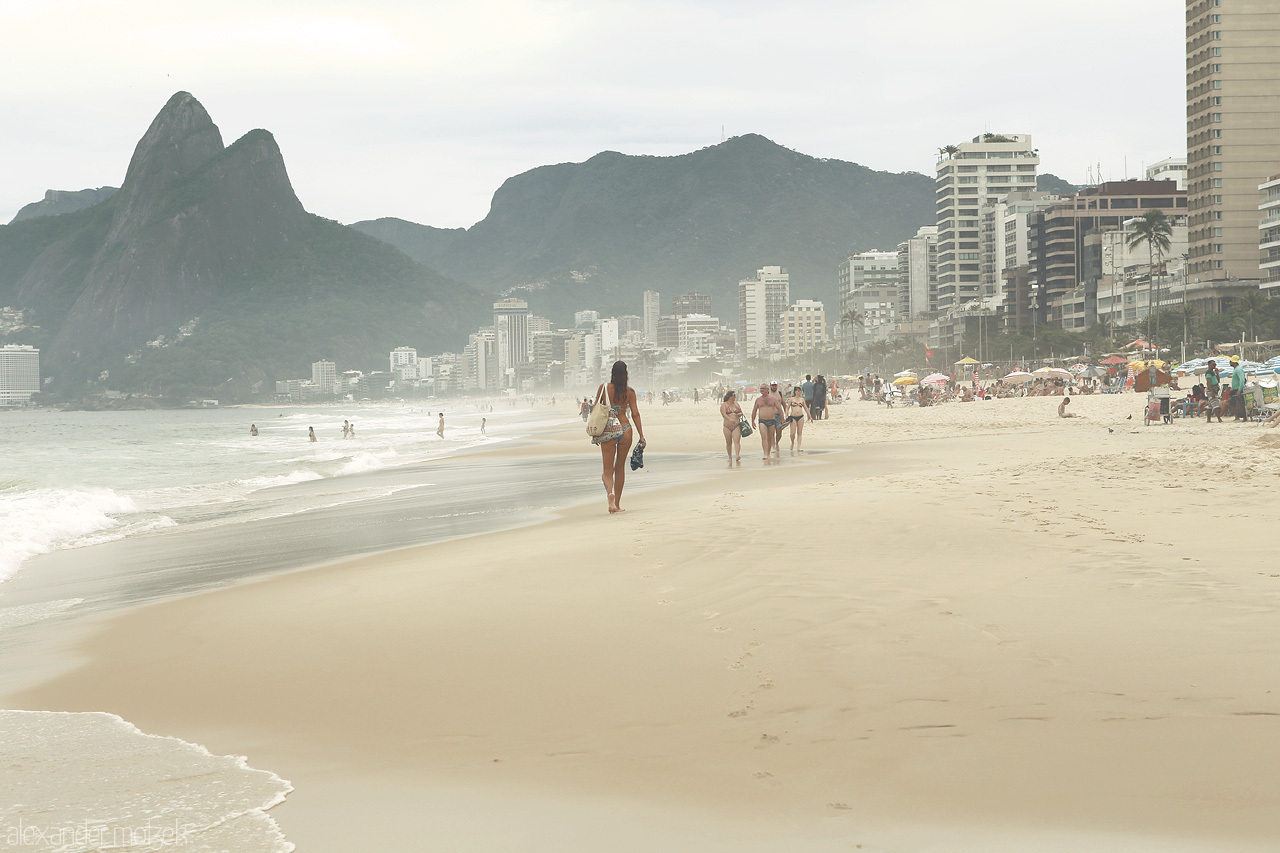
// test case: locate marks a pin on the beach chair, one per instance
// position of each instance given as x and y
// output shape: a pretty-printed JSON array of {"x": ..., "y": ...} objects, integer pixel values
[{"x": 1257, "y": 407}]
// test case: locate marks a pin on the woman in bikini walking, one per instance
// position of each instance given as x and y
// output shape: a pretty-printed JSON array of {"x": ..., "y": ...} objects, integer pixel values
[
  {"x": 797, "y": 411},
  {"x": 731, "y": 413},
  {"x": 615, "y": 441}
]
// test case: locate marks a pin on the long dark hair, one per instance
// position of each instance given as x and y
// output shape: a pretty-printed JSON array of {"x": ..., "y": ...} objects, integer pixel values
[{"x": 619, "y": 381}]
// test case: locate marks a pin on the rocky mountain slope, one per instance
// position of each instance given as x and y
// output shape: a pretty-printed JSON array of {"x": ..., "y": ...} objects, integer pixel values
[
  {"x": 199, "y": 230},
  {"x": 597, "y": 234}
]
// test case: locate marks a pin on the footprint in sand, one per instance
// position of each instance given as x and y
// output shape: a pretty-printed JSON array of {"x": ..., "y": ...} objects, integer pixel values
[{"x": 721, "y": 629}]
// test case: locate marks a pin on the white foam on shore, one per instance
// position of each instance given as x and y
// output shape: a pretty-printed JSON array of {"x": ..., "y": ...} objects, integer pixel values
[
  {"x": 89, "y": 781},
  {"x": 39, "y": 520}
]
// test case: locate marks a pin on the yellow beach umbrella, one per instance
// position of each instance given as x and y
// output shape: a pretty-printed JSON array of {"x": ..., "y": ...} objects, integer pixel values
[
  {"x": 968, "y": 360},
  {"x": 905, "y": 380}
]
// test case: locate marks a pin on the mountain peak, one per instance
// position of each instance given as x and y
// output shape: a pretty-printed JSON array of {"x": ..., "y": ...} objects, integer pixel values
[{"x": 181, "y": 139}]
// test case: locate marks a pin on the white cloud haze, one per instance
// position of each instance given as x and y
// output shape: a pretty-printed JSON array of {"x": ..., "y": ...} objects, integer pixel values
[{"x": 421, "y": 109}]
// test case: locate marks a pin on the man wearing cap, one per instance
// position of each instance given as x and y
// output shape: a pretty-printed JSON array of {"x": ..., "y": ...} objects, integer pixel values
[{"x": 1237, "y": 390}]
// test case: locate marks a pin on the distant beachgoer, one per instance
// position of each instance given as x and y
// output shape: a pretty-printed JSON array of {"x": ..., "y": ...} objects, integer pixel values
[
  {"x": 1238, "y": 408},
  {"x": 351, "y": 430},
  {"x": 768, "y": 411},
  {"x": 696, "y": 397},
  {"x": 1062, "y": 409},
  {"x": 346, "y": 429},
  {"x": 1213, "y": 392},
  {"x": 615, "y": 441},
  {"x": 807, "y": 388},
  {"x": 440, "y": 429},
  {"x": 311, "y": 433},
  {"x": 777, "y": 432},
  {"x": 819, "y": 405},
  {"x": 731, "y": 414},
  {"x": 253, "y": 429},
  {"x": 797, "y": 411},
  {"x": 482, "y": 423}
]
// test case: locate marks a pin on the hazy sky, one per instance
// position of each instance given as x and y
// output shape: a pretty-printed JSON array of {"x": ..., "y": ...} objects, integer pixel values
[{"x": 421, "y": 108}]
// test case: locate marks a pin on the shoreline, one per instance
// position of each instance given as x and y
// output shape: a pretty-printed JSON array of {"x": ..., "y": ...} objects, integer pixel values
[{"x": 734, "y": 675}]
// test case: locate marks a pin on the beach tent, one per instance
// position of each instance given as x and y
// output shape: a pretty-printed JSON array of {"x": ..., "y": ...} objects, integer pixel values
[{"x": 1115, "y": 359}]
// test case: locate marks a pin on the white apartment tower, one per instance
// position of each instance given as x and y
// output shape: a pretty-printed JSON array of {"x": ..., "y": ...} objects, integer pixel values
[
  {"x": 761, "y": 303},
  {"x": 649, "y": 317},
  {"x": 918, "y": 274},
  {"x": 970, "y": 175},
  {"x": 19, "y": 374},
  {"x": 1233, "y": 132},
  {"x": 404, "y": 363},
  {"x": 804, "y": 328},
  {"x": 511, "y": 330},
  {"x": 324, "y": 375}
]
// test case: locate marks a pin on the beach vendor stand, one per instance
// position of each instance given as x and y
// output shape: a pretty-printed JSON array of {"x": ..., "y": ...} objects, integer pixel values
[{"x": 1155, "y": 381}]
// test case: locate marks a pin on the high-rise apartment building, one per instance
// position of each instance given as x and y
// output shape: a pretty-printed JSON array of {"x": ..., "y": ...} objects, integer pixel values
[
  {"x": 691, "y": 303},
  {"x": 761, "y": 303},
  {"x": 1233, "y": 131},
  {"x": 1169, "y": 169},
  {"x": 585, "y": 319},
  {"x": 511, "y": 329},
  {"x": 868, "y": 283},
  {"x": 649, "y": 316},
  {"x": 19, "y": 374},
  {"x": 1269, "y": 230},
  {"x": 324, "y": 375},
  {"x": 695, "y": 334},
  {"x": 918, "y": 274},
  {"x": 404, "y": 363},
  {"x": 969, "y": 175},
  {"x": 804, "y": 328}
]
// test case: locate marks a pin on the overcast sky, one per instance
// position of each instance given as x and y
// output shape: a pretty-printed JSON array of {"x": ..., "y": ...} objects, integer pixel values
[{"x": 421, "y": 108}]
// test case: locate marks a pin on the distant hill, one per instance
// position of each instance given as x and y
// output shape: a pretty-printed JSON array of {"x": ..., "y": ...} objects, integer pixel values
[
  {"x": 199, "y": 230},
  {"x": 423, "y": 243},
  {"x": 1050, "y": 183},
  {"x": 597, "y": 234},
  {"x": 58, "y": 202}
]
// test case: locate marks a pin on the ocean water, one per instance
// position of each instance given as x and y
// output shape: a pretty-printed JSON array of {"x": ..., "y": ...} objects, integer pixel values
[
  {"x": 78, "y": 782},
  {"x": 72, "y": 479}
]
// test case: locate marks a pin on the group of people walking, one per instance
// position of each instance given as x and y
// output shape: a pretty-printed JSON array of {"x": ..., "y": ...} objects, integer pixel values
[{"x": 770, "y": 413}]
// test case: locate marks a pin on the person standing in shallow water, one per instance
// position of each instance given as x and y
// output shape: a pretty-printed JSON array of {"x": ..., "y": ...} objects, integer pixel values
[
  {"x": 615, "y": 441},
  {"x": 311, "y": 433},
  {"x": 440, "y": 429},
  {"x": 731, "y": 414}
]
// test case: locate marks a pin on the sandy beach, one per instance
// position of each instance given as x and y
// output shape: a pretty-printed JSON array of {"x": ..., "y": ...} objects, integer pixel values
[{"x": 973, "y": 627}]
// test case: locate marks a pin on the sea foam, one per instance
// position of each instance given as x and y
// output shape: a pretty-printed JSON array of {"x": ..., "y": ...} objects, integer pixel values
[
  {"x": 92, "y": 781},
  {"x": 39, "y": 520}
]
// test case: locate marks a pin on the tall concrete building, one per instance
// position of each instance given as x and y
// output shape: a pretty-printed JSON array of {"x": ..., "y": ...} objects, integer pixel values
[
  {"x": 918, "y": 274},
  {"x": 1169, "y": 169},
  {"x": 649, "y": 316},
  {"x": 868, "y": 284},
  {"x": 324, "y": 375},
  {"x": 511, "y": 328},
  {"x": 973, "y": 174},
  {"x": 19, "y": 374},
  {"x": 1233, "y": 131},
  {"x": 1269, "y": 231},
  {"x": 804, "y": 328},
  {"x": 691, "y": 303},
  {"x": 404, "y": 363},
  {"x": 761, "y": 303}
]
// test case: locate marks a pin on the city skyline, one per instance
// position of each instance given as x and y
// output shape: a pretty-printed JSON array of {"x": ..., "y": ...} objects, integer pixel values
[{"x": 499, "y": 90}]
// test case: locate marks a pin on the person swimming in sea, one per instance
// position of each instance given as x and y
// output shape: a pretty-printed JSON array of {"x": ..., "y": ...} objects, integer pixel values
[{"x": 253, "y": 429}]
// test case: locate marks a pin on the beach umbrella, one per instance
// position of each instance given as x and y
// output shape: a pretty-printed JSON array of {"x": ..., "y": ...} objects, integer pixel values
[
  {"x": 967, "y": 360},
  {"x": 1093, "y": 372},
  {"x": 936, "y": 378},
  {"x": 1042, "y": 372},
  {"x": 905, "y": 380},
  {"x": 905, "y": 373},
  {"x": 1018, "y": 377},
  {"x": 1115, "y": 359},
  {"x": 1139, "y": 343}
]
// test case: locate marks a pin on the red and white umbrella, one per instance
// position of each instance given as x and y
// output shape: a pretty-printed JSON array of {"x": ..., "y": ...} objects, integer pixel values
[{"x": 936, "y": 378}]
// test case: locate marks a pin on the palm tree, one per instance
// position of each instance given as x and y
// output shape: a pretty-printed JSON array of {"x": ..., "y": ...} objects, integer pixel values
[
  {"x": 854, "y": 319},
  {"x": 1154, "y": 229},
  {"x": 1251, "y": 304},
  {"x": 950, "y": 150}
]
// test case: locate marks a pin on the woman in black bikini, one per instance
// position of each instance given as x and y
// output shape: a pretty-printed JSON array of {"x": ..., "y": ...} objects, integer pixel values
[
  {"x": 615, "y": 441},
  {"x": 797, "y": 411}
]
